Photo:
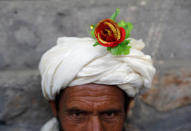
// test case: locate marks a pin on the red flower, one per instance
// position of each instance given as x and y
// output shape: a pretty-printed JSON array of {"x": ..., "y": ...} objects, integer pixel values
[{"x": 108, "y": 33}]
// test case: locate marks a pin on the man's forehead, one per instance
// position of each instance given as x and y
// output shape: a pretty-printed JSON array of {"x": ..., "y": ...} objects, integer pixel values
[
  {"x": 93, "y": 90},
  {"x": 93, "y": 97}
]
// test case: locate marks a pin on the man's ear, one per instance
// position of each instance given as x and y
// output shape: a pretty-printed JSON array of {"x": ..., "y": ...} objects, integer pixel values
[
  {"x": 53, "y": 107},
  {"x": 131, "y": 105}
]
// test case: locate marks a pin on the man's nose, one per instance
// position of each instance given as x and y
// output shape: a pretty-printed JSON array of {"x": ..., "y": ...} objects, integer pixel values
[{"x": 95, "y": 124}]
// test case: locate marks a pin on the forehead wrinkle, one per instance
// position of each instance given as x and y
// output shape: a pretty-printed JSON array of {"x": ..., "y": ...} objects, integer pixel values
[
  {"x": 94, "y": 104},
  {"x": 92, "y": 99},
  {"x": 93, "y": 91},
  {"x": 93, "y": 95}
]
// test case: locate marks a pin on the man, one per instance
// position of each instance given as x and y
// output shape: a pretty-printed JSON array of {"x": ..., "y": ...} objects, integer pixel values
[{"x": 88, "y": 88}]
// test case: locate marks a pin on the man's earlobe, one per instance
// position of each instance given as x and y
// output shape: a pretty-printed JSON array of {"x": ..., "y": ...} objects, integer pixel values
[
  {"x": 131, "y": 105},
  {"x": 53, "y": 107}
]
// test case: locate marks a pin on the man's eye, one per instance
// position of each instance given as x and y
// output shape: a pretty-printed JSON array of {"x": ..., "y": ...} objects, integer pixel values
[
  {"x": 108, "y": 115},
  {"x": 78, "y": 115}
]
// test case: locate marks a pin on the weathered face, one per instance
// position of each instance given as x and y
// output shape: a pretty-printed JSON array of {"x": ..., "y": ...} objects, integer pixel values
[{"x": 92, "y": 107}]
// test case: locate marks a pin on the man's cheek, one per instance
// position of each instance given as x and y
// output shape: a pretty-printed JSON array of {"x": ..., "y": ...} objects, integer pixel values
[
  {"x": 113, "y": 122},
  {"x": 73, "y": 124},
  {"x": 113, "y": 126}
]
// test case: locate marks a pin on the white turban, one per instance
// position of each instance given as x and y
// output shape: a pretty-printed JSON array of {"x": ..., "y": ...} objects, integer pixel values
[{"x": 74, "y": 61}]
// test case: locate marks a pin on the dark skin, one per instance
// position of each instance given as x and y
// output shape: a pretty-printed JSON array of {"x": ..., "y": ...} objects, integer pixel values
[{"x": 91, "y": 107}]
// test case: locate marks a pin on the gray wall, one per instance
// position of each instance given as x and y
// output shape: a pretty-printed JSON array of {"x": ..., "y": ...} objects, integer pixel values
[{"x": 29, "y": 28}]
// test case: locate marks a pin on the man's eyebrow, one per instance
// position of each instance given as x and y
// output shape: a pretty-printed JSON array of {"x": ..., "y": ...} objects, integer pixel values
[
  {"x": 75, "y": 109},
  {"x": 111, "y": 111}
]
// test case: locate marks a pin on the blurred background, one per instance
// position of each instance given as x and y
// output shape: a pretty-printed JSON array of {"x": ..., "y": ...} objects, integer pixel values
[{"x": 29, "y": 27}]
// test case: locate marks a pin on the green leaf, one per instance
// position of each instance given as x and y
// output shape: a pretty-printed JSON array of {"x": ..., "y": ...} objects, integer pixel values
[
  {"x": 129, "y": 27},
  {"x": 121, "y": 49},
  {"x": 92, "y": 27},
  {"x": 122, "y": 23},
  {"x": 109, "y": 49},
  {"x": 125, "y": 42},
  {"x": 115, "y": 50},
  {"x": 128, "y": 41},
  {"x": 115, "y": 14},
  {"x": 92, "y": 33},
  {"x": 96, "y": 44},
  {"x": 127, "y": 50}
]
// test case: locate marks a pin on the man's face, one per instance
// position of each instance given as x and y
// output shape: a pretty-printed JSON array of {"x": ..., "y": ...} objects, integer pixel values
[{"x": 92, "y": 107}]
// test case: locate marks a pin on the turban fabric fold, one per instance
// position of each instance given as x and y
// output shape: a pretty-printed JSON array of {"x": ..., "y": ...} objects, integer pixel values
[{"x": 74, "y": 61}]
